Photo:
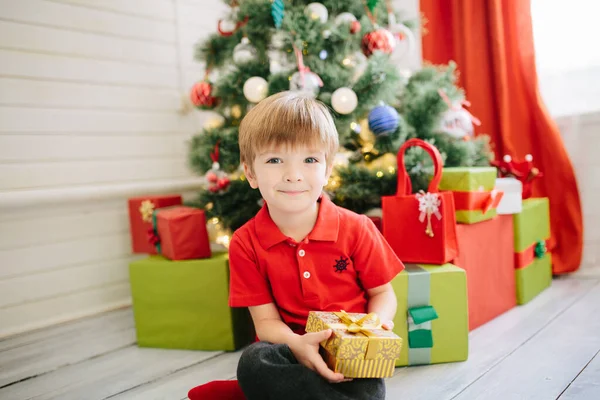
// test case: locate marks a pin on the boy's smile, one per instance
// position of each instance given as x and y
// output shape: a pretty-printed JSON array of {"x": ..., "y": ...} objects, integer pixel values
[{"x": 293, "y": 192}]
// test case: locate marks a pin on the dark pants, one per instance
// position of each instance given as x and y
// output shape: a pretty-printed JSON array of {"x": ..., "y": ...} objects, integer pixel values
[{"x": 270, "y": 372}]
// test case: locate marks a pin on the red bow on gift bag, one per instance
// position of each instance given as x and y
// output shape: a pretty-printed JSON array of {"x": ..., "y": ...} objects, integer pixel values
[{"x": 420, "y": 227}]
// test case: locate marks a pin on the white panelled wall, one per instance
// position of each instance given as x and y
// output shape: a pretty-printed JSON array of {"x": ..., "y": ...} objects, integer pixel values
[
  {"x": 92, "y": 111},
  {"x": 581, "y": 134}
]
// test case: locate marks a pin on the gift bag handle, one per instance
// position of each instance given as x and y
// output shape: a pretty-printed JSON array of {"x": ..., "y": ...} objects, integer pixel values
[{"x": 404, "y": 184}]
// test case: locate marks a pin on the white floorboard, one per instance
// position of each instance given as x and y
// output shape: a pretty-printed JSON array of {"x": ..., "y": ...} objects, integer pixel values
[{"x": 587, "y": 384}]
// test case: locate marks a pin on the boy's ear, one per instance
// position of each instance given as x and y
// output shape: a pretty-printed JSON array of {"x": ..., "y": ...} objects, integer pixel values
[{"x": 250, "y": 177}]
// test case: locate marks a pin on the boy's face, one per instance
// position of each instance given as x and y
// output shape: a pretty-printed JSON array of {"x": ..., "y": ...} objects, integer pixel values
[{"x": 289, "y": 179}]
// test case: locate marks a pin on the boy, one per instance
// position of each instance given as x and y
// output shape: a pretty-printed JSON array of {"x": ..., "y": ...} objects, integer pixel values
[{"x": 301, "y": 253}]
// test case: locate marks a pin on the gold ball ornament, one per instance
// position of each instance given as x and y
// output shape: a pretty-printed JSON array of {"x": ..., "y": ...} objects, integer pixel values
[{"x": 236, "y": 111}]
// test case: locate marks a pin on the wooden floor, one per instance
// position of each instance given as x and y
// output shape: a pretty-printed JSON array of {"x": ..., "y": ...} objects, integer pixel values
[{"x": 547, "y": 349}]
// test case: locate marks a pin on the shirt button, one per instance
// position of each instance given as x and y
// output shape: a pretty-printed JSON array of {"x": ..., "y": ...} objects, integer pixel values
[
  {"x": 301, "y": 253},
  {"x": 306, "y": 274}
]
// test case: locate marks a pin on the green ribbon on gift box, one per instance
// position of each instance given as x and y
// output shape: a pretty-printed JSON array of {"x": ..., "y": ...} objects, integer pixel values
[
  {"x": 153, "y": 234},
  {"x": 420, "y": 315},
  {"x": 540, "y": 249}
]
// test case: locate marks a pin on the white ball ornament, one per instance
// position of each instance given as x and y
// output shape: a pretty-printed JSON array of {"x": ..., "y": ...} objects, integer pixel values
[
  {"x": 227, "y": 25},
  {"x": 317, "y": 11},
  {"x": 244, "y": 52},
  {"x": 278, "y": 40},
  {"x": 344, "y": 100},
  {"x": 310, "y": 84},
  {"x": 344, "y": 18},
  {"x": 256, "y": 89},
  {"x": 457, "y": 123}
]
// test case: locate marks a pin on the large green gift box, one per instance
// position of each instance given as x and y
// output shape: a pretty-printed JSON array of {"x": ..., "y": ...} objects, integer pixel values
[
  {"x": 432, "y": 316},
  {"x": 473, "y": 189},
  {"x": 184, "y": 305},
  {"x": 533, "y": 263}
]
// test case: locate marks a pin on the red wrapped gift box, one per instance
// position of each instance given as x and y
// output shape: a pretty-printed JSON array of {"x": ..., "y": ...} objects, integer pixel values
[
  {"x": 182, "y": 233},
  {"x": 487, "y": 255},
  {"x": 140, "y": 219}
]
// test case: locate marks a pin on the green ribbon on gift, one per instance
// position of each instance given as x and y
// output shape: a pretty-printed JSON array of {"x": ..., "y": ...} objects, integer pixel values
[
  {"x": 155, "y": 231},
  {"x": 420, "y": 315},
  {"x": 540, "y": 249}
]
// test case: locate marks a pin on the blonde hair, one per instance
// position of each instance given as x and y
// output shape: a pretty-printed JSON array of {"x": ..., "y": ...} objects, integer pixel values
[{"x": 287, "y": 118}]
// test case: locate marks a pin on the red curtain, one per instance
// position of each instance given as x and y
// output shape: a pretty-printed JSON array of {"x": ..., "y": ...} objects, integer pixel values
[{"x": 492, "y": 43}]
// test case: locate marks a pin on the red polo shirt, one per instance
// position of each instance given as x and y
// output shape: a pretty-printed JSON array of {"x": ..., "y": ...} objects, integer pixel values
[{"x": 329, "y": 270}]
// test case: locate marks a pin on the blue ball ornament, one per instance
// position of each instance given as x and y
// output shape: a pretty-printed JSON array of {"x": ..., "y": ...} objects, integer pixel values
[{"x": 383, "y": 120}]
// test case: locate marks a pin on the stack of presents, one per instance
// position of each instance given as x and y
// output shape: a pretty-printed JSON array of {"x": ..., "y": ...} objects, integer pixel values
[
  {"x": 180, "y": 292},
  {"x": 474, "y": 246}
]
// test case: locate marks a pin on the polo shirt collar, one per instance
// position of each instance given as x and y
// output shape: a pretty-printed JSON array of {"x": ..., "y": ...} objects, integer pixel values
[{"x": 326, "y": 227}]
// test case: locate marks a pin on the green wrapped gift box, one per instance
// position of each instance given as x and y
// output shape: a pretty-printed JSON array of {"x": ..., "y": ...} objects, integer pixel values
[
  {"x": 432, "y": 314},
  {"x": 533, "y": 262},
  {"x": 473, "y": 189},
  {"x": 184, "y": 305}
]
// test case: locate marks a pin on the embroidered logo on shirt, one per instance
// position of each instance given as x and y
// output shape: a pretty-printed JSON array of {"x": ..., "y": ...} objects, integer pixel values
[{"x": 341, "y": 264}]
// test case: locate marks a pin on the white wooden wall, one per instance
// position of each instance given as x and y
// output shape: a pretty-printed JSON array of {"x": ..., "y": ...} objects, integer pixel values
[
  {"x": 91, "y": 112},
  {"x": 581, "y": 135}
]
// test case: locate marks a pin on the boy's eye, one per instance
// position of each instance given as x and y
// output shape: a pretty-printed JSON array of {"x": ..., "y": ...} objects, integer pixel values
[
  {"x": 311, "y": 160},
  {"x": 274, "y": 160}
]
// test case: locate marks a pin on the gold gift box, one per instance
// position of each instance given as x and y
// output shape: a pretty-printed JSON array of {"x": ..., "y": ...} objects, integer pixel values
[{"x": 358, "y": 346}]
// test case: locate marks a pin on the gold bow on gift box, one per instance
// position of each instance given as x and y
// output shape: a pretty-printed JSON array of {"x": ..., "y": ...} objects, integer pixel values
[
  {"x": 360, "y": 326},
  {"x": 146, "y": 210},
  {"x": 351, "y": 324}
]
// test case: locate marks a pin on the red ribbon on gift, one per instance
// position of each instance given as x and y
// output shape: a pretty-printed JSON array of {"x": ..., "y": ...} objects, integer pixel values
[
  {"x": 153, "y": 237},
  {"x": 483, "y": 201},
  {"x": 527, "y": 256}
]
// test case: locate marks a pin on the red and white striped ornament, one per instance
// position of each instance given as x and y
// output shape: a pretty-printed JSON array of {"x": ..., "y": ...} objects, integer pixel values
[{"x": 379, "y": 40}]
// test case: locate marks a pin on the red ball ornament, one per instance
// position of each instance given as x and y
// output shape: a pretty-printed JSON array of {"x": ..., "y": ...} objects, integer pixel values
[
  {"x": 200, "y": 95},
  {"x": 354, "y": 27},
  {"x": 223, "y": 183},
  {"x": 378, "y": 40},
  {"x": 212, "y": 177}
]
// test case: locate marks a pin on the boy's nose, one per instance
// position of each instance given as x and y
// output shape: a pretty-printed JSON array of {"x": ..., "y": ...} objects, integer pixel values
[{"x": 293, "y": 175}]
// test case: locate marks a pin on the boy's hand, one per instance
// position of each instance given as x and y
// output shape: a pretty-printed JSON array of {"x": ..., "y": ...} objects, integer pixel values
[
  {"x": 306, "y": 351},
  {"x": 387, "y": 325}
]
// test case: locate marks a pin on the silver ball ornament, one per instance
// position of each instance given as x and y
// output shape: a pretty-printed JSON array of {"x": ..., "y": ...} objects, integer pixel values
[{"x": 310, "y": 85}]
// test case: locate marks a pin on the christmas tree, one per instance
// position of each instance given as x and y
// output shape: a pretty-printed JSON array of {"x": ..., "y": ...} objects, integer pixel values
[{"x": 339, "y": 52}]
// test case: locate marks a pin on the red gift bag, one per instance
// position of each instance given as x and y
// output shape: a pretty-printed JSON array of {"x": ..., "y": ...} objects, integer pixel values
[
  {"x": 420, "y": 227},
  {"x": 140, "y": 219}
]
